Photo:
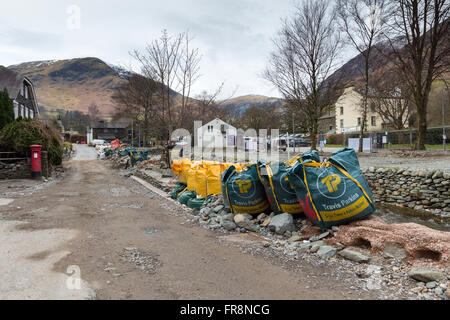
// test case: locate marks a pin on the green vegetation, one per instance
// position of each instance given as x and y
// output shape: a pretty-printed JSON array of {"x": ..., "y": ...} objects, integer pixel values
[
  {"x": 408, "y": 146},
  {"x": 19, "y": 135},
  {"x": 6, "y": 109}
]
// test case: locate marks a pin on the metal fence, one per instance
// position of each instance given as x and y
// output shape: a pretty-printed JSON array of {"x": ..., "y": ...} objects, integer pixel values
[{"x": 435, "y": 138}]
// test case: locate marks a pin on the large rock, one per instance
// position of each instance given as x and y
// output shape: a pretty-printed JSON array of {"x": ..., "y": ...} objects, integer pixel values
[
  {"x": 426, "y": 274},
  {"x": 326, "y": 251},
  {"x": 353, "y": 255},
  {"x": 228, "y": 225},
  {"x": 241, "y": 220},
  {"x": 282, "y": 223},
  {"x": 418, "y": 241}
]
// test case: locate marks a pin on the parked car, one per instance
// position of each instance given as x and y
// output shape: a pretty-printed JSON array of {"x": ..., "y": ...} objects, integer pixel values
[{"x": 299, "y": 143}]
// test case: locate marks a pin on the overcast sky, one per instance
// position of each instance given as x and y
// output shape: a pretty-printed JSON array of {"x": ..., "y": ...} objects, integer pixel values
[{"x": 233, "y": 36}]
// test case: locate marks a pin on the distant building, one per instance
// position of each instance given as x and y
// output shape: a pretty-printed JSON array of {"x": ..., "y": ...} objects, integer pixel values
[
  {"x": 108, "y": 131},
  {"x": 348, "y": 114},
  {"x": 215, "y": 132},
  {"x": 21, "y": 92}
]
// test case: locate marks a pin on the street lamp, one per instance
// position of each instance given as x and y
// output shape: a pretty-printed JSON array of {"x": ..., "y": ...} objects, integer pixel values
[{"x": 444, "y": 137}]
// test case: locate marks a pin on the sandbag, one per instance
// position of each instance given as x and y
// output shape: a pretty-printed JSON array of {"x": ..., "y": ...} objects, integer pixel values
[
  {"x": 243, "y": 192},
  {"x": 195, "y": 203},
  {"x": 213, "y": 184},
  {"x": 201, "y": 181},
  {"x": 185, "y": 165},
  {"x": 176, "y": 166},
  {"x": 190, "y": 177},
  {"x": 333, "y": 192},
  {"x": 280, "y": 192},
  {"x": 185, "y": 196},
  {"x": 179, "y": 188}
]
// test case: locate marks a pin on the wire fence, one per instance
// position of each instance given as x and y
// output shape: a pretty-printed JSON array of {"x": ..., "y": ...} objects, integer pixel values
[{"x": 436, "y": 138}]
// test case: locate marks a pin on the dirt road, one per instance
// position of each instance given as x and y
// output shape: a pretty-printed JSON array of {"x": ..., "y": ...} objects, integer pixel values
[{"x": 130, "y": 243}]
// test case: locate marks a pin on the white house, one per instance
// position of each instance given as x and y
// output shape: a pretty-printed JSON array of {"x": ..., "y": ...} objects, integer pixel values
[
  {"x": 21, "y": 92},
  {"x": 216, "y": 133}
]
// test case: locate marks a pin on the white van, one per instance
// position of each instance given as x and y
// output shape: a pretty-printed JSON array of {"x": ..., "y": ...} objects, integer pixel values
[{"x": 96, "y": 142}]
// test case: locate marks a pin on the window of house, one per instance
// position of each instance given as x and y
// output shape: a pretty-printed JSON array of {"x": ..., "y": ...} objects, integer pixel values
[
  {"x": 372, "y": 107},
  {"x": 331, "y": 128},
  {"x": 342, "y": 123},
  {"x": 342, "y": 110},
  {"x": 373, "y": 120},
  {"x": 359, "y": 121},
  {"x": 31, "y": 114}
]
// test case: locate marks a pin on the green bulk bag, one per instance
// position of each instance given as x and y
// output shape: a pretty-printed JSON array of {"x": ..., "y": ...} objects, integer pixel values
[
  {"x": 186, "y": 195},
  {"x": 195, "y": 203},
  {"x": 179, "y": 188},
  {"x": 243, "y": 191},
  {"x": 280, "y": 192},
  {"x": 332, "y": 192}
]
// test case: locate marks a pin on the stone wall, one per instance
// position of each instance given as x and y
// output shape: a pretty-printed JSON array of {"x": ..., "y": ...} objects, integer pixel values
[
  {"x": 419, "y": 190},
  {"x": 19, "y": 170}
]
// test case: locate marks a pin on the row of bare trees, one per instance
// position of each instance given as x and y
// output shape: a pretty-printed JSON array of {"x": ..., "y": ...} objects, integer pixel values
[{"x": 309, "y": 44}]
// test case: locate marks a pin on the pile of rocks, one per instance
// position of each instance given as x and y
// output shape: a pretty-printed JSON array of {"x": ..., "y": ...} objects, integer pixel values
[
  {"x": 120, "y": 162},
  {"x": 418, "y": 190},
  {"x": 295, "y": 235}
]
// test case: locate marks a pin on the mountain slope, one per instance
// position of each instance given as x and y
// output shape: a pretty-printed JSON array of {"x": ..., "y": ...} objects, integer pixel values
[
  {"x": 72, "y": 84},
  {"x": 240, "y": 104}
]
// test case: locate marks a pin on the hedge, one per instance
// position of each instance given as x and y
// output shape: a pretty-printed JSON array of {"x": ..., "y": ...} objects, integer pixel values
[{"x": 19, "y": 135}]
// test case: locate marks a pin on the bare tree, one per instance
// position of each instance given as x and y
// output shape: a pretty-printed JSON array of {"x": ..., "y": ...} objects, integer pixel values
[
  {"x": 172, "y": 62},
  {"x": 390, "y": 98},
  {"x": 307, "y": 49},
  {"x": 420, "y": 42},
  {"x": 363, "y": 22},
  {"x": 138, "y": 99},
  {"x": 159, "y": 62},
  {"x": 93, "y": 112},
  {"x": 260, "y": 117},
  {"x": 187, "y": 74}
]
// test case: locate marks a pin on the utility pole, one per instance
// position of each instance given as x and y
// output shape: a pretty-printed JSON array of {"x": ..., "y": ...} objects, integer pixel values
[
  {"x": 293, "y": 130},
  {"x": 132, "y": 133},
  {"x": 444, "y": 136}
]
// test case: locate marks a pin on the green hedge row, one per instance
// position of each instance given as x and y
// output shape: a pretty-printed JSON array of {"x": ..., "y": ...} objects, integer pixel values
[{"x": 17, "y": 136}]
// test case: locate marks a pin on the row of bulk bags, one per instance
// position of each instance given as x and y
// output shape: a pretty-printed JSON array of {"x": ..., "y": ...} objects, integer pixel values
[
  {"x": 243, "y": 191},
  {"x": 332, "y": 192},
  {"x": 201, "y": 176}
]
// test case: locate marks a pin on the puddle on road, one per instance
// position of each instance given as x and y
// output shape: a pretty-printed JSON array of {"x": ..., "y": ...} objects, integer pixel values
[
  {"x": 5, "y": 202},
  {"x": 393, "y": 214}
]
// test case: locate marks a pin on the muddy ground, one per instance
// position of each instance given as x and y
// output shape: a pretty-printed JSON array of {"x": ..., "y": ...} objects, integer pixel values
[{"x": 130, "y": 243}]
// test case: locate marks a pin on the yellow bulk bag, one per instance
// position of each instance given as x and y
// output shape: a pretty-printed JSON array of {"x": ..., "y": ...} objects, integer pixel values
[
  {"x": 213, "y": 179},
  {"x": 190, "y": 177},
  {"x": 176, "y": 166},
  {"x": 185, "y": 165},
  {"x": 201, "y": 181}
]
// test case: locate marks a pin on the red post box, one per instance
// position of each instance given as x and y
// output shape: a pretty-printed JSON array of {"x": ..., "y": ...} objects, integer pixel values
[{"x": 36, "y": 168}]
